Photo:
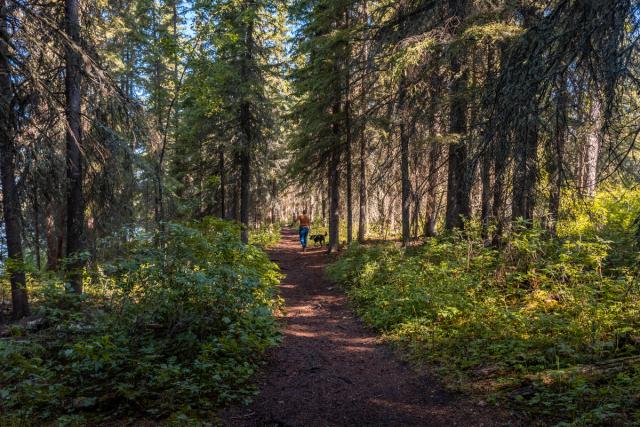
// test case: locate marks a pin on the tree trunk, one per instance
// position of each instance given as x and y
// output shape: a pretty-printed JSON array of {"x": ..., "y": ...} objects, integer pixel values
[
  {"x": 404, "y": 164},
  {"x": 245, "y": 176},
  {"x": 325, "y": 196},
  {"x": 501, "y": 142},
  {"x": 347, "y": 114},
  {"x": 485, "y": 198},
  {"x": 458, "y": 188},
  {"x": 415, "y": 216},
  {"x": 500, "y": 155},
  {"x": 555, "y": 158},
  {"x": 349, "y": 169},
  {"x": 334, "y": 186},
  {"x": 487, "y": 155},
  {"x": 526, "y": 150},
  {"x": 235, "y": 201},
  {"x": 362, "y": 208},
  {"x": 406, "y": 184},
  {"x": 362, "y": 185},
  {"x": 432, "y": 186},
  {"x": 221, "y": 172},
  {"x": 54, "y": 235},
  {"x": 36, "y": 227},
  {"x": 525, "y": 170},
  {"x": 248, "y": 138},
  {"x": 75, "y": 202},
  {"x": 274, "y": 201},
  {"x": 592, "y": 148},
  {"x": 457, "y": 192},
  {"x": 10, "y": 200}
]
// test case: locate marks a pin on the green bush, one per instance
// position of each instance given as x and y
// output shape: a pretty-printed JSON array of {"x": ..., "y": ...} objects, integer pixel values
[
  {"x": 266, "y": 236},
  {"x": 550, "y": 325},
  {"x": 172, "y": 326}
]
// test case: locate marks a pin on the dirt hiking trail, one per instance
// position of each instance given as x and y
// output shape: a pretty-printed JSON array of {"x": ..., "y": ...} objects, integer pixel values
[{"x": 331, "y": 371}]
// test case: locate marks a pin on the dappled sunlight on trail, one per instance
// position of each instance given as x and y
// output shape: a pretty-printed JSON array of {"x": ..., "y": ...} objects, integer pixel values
[{"x": 331, "y": 371}]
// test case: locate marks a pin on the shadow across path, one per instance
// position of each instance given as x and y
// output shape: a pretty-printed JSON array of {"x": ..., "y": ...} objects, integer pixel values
[{"x": 331, "y": 371}]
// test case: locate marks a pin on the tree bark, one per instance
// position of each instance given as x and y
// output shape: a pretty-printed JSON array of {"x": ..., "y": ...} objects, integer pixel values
[
  {"x": 406, "y": 184},
  {"x": 324, "y": 205},
  {"x": 36, "y": 227},
  {"x": 415, "y": 216},
  {"x": 221, "y": 172},
  {"x": 487, "y": 155},
  {"x": 592, "y": 148},
  {"x": 526, "y": 149},
  {"x": 248, "y": 138},
  {"x": 10, "y": 198},
  {"x": 458, "y": 185},
  {"x": 54, "y": 236},
  {"x": 404, "y": 164},
  {"x": 334, "y": 185},
  {"x": 347, "y": 114},
  {"x": 555, "y": 158},
  {"x": 485, "y": 198},
  {"x": 500, "y": 155},
  {"x": 349, "y": 177},
  {"x": 75, "y": 201},
  {"x": 525, "y": 170},
  {"x": 432, "y": 186},
  {"x": 362, "y": 185},
  {"x": 245, "y": 177}
]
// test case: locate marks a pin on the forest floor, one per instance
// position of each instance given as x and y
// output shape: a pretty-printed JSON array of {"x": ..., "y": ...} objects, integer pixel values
[{"x": 331, "y": 371}]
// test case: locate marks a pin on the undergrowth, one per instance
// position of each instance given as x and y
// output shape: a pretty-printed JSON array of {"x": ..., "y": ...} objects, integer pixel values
[
  {"x": 265, "y": 236},
  {"x": 172, "y": 328},
  {"x": 549, "y": 326}
]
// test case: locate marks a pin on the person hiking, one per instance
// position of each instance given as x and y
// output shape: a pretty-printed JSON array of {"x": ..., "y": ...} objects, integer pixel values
[{"x": 305, "y": 224}]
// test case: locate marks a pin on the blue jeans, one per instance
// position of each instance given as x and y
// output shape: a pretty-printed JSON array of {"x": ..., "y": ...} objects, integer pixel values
[{"x": 304, "y": 232}]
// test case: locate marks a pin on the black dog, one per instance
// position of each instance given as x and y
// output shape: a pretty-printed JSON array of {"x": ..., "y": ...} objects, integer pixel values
[{"x": 318, "y": 239}]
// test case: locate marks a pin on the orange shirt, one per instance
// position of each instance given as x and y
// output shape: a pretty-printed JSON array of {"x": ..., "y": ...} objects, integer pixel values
[{"x": 304, "y": 221}]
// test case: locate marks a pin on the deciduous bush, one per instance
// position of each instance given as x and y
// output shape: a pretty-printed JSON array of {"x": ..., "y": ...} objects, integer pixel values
[
  {"x": 550, "y": 325},
  {"x": 174, "y": 326}
]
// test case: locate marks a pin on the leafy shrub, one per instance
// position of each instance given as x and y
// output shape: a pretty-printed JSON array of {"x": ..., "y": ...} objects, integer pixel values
[
  {"x": 542, "y": 323},
  {"x": 177, "y": 327},
  {"x": 266, "y": 236}
]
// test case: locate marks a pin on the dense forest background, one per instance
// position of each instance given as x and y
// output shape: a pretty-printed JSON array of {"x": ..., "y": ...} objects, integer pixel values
[{"x": 126, "y": 125}]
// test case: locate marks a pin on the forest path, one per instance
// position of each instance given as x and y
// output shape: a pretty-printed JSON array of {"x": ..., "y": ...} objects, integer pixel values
[{"x": 331, "y": 371}]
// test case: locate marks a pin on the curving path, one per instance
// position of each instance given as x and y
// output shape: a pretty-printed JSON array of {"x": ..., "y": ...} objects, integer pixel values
[{"x": 331, "y": 371}]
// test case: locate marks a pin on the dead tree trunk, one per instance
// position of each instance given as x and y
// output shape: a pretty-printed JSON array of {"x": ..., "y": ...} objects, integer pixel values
[{"x": 592, "y": 148}]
